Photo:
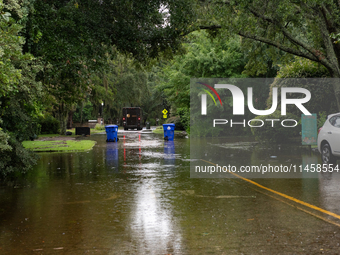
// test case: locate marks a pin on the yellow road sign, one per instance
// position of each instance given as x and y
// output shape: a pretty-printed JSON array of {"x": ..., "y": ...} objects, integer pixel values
[
  {"x": 164, "y": 111},
  {"x": 165, "y": 116}
]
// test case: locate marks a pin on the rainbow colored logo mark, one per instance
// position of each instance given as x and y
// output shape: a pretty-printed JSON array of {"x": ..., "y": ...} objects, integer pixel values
[{"x": 208, "y": 92}]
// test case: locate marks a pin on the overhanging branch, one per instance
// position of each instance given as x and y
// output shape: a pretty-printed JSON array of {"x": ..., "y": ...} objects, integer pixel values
[
  {"x": 280, "y": 46},
  {"x": 311, "y": 51},
  {"x": 269, "y": 42}
]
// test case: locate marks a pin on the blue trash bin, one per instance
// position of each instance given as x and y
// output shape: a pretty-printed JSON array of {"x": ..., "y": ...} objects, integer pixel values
[
  {"x": 169, "y": 131},
  {"x": 111, "y": 133}
]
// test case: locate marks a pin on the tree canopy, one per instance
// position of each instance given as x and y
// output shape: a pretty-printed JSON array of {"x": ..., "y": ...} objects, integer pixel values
[
  {"x": 309, "y": 29},
  {"x": 73, "y": 37}
]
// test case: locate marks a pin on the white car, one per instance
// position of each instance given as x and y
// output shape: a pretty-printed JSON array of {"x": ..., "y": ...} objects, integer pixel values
[{"x": 329, "y": 139}]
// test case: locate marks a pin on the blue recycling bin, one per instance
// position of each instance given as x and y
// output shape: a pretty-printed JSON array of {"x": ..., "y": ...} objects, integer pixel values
[
  {"x": 111, "y": 133},
  {"x": 169, "y": 131}
]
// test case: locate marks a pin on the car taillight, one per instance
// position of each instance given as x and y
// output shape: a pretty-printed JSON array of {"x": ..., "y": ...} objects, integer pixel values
[
  {"x": 123, "y": 118},
  {"x": 319, "y": 130}
]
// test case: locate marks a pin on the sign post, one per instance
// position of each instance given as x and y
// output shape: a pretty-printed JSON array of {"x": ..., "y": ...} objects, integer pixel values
[{"x": 164, "y": 113}]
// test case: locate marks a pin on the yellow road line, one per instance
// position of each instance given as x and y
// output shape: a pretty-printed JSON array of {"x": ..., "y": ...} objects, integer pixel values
[
  {"x": 297, "y": 207},
  {"x": 289, "y": 197}
]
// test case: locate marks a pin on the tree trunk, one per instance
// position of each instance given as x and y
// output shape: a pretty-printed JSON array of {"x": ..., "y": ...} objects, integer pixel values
[
  {"x": 62, "y": 117},
  {"x": 81, "y": 112},
  {"x": 70, "y": 119}
]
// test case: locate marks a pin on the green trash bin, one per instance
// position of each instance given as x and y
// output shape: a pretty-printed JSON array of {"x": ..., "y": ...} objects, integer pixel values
[{"x": 147, "y": 125}]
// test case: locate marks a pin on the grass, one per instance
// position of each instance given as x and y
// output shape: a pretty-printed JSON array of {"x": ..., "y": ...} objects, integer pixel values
[
  {"x": 93, "y": 131},
  {"x": 59, "y": 145},
  {"x": 159, "y": 130},
  {"x": 99, "y": 127}
]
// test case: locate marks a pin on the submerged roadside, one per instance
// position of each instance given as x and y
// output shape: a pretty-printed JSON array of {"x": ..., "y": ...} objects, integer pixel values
[{"x": 59, "y": 143}]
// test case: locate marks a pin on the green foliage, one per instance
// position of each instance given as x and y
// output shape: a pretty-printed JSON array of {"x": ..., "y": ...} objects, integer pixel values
[
  {"x": 302, "y": 68},
  {"x": 4, "y": 146},
  {"x": 205, "y": 57},
  {"x": 308, "y": 29},
  {"x": 335, "y": 37},
  {"x": 19, "y": 93},
  {"x": 17, "y": 160},
  {"x": 158, "y": 130},
  {"x": 19, "y": 90},
  {"x": 49, "y": 124},
  {"x": 142, "y": 28},
  {"x": 263, "y": 60},
  {"x": 321, "y": 119},
  {"x": 10, "y": 48},
  {"x": 278, "y": 133},
  {"x": 152, "y": 122},
  {"x": 153, "y": 100},
  {"x": 177, "y": 121},
  {"x": 323, "y": 97},
  {"x": 184, "y": 114},
  {"x": 99, "y": 127},
  {"x": 84, "y": 112},
  {"x": 122, "y": 85},
  {"x": 74, "y": 39}
]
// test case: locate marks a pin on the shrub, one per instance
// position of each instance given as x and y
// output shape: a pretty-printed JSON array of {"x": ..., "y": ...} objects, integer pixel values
[
  {"x": 152, "y": 122},
  {"x": 324, "y": 99},
  {"x": 302, "y": 68},
  {"x": 182, "y": 121},
  {"x": 278, "y": 133},
  {"x": 184, "y": 113},
  {"x": 14, "y": 158},
  {"x": 99, "y": 127},
  {"x": 49, "y": 124},
  {"x": 322, "y": 116},
  {"x": 177, "y": 121}
]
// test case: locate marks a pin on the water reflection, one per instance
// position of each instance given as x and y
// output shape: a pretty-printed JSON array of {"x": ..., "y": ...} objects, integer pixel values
[
  {"x": 153, "y": 225},
  {"x": 309, "y": 162},
  {"x": 112, "y": 157},
  {"x": 169, "y": 154},
  {"x": 329, "y": 190},
  {"x": 154, "y": 229}
]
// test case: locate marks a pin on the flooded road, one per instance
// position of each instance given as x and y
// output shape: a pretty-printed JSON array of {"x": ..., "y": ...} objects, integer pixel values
[{"x": 136, "y": 197}]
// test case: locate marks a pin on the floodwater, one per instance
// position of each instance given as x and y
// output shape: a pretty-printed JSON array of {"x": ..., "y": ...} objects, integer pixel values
[{"x": 136, "y": 197}]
